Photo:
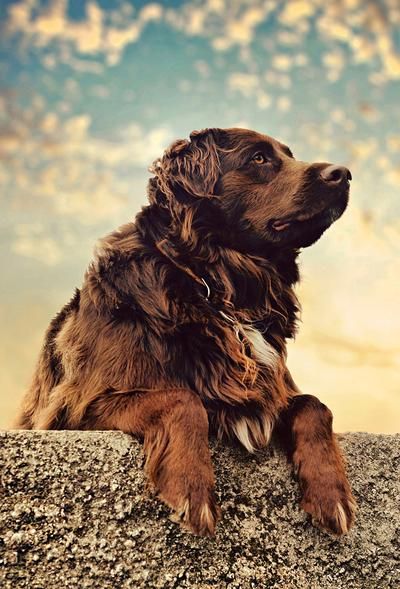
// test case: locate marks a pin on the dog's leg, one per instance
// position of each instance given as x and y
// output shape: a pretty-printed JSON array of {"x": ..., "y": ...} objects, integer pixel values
[
  {"x": 174, "y": 424},
  {"x": 306, "y": 428}
]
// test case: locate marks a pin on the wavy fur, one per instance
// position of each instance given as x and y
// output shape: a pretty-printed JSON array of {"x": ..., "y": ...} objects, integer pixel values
[{"x": 181, "y": 325}]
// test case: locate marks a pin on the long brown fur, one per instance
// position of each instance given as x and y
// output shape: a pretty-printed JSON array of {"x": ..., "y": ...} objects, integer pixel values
[{"x": 181, "y": 323}]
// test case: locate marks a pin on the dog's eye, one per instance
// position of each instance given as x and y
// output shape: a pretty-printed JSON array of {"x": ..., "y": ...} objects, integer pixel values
[{"x": 259, "y": 158}]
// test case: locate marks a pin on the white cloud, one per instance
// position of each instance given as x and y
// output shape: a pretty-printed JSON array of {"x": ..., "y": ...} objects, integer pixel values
[
  {"x": 372, "y": 35},
  {"x": 30, "y": 241},
  {"x": 95, "y": 35},
  {"x": 225, "y": 24},
  {"x": 393, "y": 143},
  {"x": 264, "y": 100},
  {"x": 244, "y": 83},
  {"x": 363, "y": 149},
  {"x": 278, "y": 79},
  {"x": 283, "y": 103},
  {"x": 57, "y": 162},
  {"x": 282, "y": 62},
  {"x": 296, "y": 10},
  {"x": 366, "y": 28},
  {"x": 290, "y": 38},
  {"x": 250, "y": 86},
  {"x": 334, "y": 61},
  {"x": 49, "y": 123}
]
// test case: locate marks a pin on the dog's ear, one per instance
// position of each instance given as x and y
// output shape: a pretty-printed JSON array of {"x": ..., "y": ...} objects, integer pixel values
[{"x": 193, "y": 164}]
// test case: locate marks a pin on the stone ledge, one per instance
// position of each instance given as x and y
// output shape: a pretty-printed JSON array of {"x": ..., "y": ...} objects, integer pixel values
[{"x": 74, "y": 514}]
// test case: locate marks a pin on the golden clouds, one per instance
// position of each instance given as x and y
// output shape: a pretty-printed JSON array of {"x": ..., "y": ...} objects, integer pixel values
[
  {"x": 95, "y": 35},
  {"x": 282, "y": 61},
  {"x": 244, "y": 83},
  {"x": 348, "y": 349},
  {"x": 66, "y": 170},
  {"x": 295, "y": 11},
  {"x": 64, "y": 179},
  {"x": 365, "y": 28},
  {"x": 32, "y": 242}
]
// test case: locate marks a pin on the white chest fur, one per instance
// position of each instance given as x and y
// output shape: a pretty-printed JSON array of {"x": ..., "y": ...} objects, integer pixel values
[
  {"x": 262, "y": 351},
  {"x": 255, "y": 431}
]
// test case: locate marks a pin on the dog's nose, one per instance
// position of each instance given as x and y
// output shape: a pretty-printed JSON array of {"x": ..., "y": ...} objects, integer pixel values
[{"x": 335, "y": 174}]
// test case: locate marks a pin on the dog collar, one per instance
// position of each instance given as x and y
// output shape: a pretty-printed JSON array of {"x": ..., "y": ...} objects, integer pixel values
[
  {"x": 207, "y": 287},
  {"x": 236, "y": 326},
  {"x": 234, "y": 322}
]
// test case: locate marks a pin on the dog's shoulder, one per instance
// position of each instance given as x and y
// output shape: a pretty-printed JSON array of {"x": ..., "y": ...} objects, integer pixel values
[{"x": 115, "y": 265}]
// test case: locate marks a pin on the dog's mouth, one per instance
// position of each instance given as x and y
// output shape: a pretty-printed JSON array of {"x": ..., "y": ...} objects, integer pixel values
[
  {"x": 286, "y": 222},
  {"x": 327, "y": 215}
]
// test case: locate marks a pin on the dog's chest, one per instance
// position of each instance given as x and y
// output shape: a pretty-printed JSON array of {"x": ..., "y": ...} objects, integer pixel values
[
  {"x": 257, "y": 347},
  {"x": 252, "y": 342},
  {"x": 223, "y": 358},
  {"x": 248, "y": 372}
]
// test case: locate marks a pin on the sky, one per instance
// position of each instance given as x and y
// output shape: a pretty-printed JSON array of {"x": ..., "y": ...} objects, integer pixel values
[{"x": 93, "y": 91}]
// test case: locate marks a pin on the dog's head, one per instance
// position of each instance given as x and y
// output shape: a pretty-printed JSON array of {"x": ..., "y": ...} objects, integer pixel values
[{"x": 263, "y": 192}]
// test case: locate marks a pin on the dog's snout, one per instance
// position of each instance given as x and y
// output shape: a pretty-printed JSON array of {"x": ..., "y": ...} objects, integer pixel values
[{"x": 335, "y": 175}]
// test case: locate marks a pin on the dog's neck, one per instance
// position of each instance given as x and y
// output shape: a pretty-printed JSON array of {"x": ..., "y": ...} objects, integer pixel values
[{"x": 195, "y": 241}]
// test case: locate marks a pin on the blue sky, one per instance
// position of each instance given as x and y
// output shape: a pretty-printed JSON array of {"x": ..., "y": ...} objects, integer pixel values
[{"x": 92, "y": 92}]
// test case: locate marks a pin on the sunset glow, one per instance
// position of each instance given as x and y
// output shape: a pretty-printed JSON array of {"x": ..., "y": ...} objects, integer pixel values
[{"x": 93, "y": 91}]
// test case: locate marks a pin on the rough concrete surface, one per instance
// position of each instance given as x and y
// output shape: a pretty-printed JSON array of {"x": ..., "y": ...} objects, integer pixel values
[{"x": 74, "y": 513}]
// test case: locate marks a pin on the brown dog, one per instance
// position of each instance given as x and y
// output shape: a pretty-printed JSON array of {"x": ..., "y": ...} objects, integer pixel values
[{"x": 181, "y": 322}]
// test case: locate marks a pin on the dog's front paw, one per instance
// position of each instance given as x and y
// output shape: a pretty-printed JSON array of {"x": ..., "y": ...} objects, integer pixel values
[
  {"x": 332, "y": 507},
  {"x": 197, "y": 510}
]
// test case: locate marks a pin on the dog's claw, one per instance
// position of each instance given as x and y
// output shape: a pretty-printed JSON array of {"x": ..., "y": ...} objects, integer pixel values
[
  {"x": 334, "y": 513},
  {"x": 198, "y": 518}
]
